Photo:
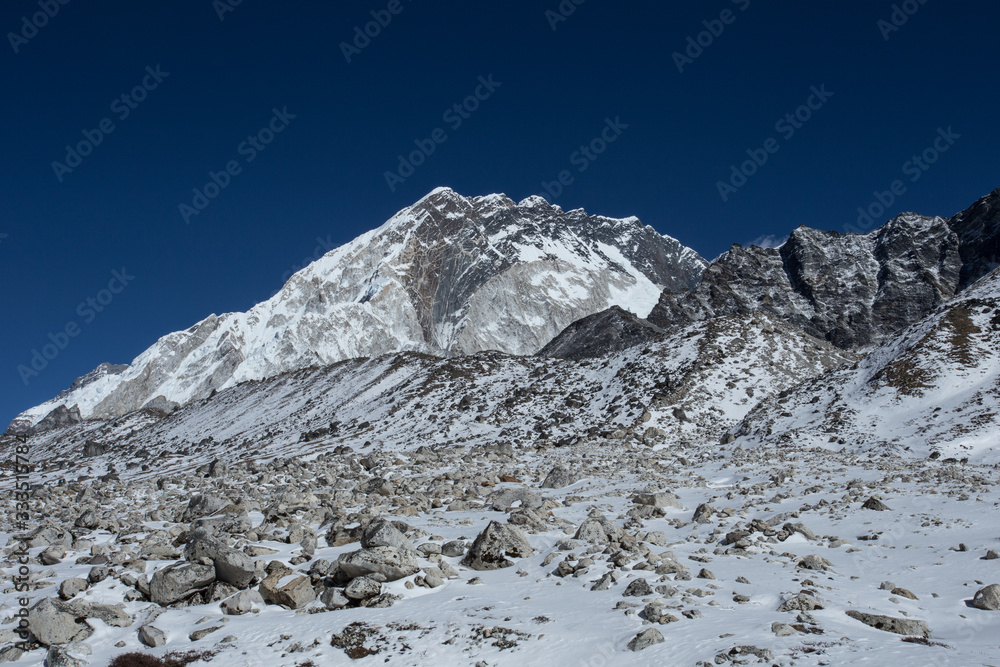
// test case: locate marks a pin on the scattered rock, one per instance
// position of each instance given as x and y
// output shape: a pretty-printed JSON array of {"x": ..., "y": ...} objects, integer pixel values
[
  {"x": 988, "y": 598},
  {"x": 900, "y": 626},
  {"x": 645, "y": 639}
]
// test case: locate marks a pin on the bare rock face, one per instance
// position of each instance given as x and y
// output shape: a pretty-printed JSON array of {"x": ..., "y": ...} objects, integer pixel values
[
  {"x": 978, "y": 230},
  {"x": 852, "y": 290},
  {"x": 60, "y": 417},
  {"x": 602, "y": 333}
]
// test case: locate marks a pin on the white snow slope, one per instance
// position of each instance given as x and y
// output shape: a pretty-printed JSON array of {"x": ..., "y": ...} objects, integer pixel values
[{"x": 448, "y": 275}]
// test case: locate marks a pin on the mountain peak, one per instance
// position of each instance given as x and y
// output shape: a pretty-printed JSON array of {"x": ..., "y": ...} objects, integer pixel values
[{"x": 448, "y": 275}]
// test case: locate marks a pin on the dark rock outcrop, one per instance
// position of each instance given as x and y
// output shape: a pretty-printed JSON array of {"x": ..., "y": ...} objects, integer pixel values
[{"x": 608, "y": 331}]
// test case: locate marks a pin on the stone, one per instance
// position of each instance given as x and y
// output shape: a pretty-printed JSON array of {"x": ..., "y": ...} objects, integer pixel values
[
  {"x": 204, "y": 504},
  {"x": 638, "y": 588},
  {"x": 231, "y": 566},
  {"x": 198, "y": 635},
  {"x": 178, "y": 582},
  {"x": 52, "y": 623},
  {"x": 503, "y": 500},
  {"x": 900, "y": 626},
  {"x": 645, "y": 639},
  {"x": 659, "y": 500},
  {"x": 558, "y": 478},
  {"x": 241, "y": 603},
  {"x": 390, "y": 562},
  {"x": 782, "y": 629},
  {"x": 382, "y": 533},
  {"x": 52, "y": 555},
  {"x": 495, "y": 546},
  {"x": 599, "y": 530},
  {"x": 362, "y": 588},
  {"x": 800, "y": 602},
  {"x": 703, "y": 513},
  {"x": 152, "y": 636},
  {"x": 814, "y": 562},
  {"x": 283, "y": 587},
  {"x": 70, "y": 587},
  {"x": 334, "y": 598},
  {"x": 875, "y": 504},
  {"x": 988, "y": 598},
  {"x": 60, "y": 657}
]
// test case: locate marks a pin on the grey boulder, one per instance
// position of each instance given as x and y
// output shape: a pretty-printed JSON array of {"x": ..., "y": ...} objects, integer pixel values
[
  {"x": 231, "y": 566},
  {"x": 176, "y": 582},
  {"x": 493, "y": 548},
  {"x": 391, "y": 562}
]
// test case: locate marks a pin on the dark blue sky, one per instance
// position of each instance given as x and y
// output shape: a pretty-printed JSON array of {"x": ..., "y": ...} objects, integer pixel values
[{"x": 322, "y": 178}]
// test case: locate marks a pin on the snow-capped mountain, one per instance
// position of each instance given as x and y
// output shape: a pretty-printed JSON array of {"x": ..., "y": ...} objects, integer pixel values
[
  {"x": 448, "y": 275},
  {"x": 934, "y": 388}
]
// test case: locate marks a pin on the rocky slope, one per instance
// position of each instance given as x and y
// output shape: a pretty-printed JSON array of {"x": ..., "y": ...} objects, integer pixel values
[
  {"x": 448, "y": 275},
  {"x": 688, "y": 387},
  {"x": 853, "y": 290},
  {"x": 934, "y": 390}
]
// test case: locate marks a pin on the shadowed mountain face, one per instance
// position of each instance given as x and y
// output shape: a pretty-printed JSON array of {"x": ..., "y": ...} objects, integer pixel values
[
  {"x": 978, "y": 230},
  {"x": 852, "y": 290},
  {"x": 612, "y": 330},
  {"x": 448, "y": 275}
]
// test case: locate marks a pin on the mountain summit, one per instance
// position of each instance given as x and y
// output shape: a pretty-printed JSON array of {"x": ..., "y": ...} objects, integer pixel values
[{"x": 448, "y": 275}]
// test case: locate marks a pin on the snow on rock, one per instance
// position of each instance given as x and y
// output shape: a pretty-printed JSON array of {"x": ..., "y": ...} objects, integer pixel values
[{"x": 448, "y": 275}]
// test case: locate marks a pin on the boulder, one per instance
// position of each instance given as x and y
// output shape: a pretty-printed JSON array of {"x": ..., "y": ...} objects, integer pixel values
[
  {"x": 900, "y": 626},
  {"x": 493, "y": 548},
  {"x": 287, "y": 588},
  {"x": 363, "y": 588},
  {"x": 390, "y": 562},
  {"x": 382, "y": 533},
  {"x": 503, "y": 500},
  {"x": 152, "y": 636},
  {"x": 558, "y": 478},
  {"x": 204, "y": 504},
  {"x": 659, "y": 500},
  {"x": 987, "y": 599},
  {"x": 52, "y": 623},
  {"x": 231, "y": 566},
  {"x": 176, "y": 582},
  {"x": 241, "y": 603},
  {"x": 645, "y": 639}
]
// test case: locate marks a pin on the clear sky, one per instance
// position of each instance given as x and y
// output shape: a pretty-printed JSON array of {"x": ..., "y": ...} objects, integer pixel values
[{"x": 139, "y": 103}]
